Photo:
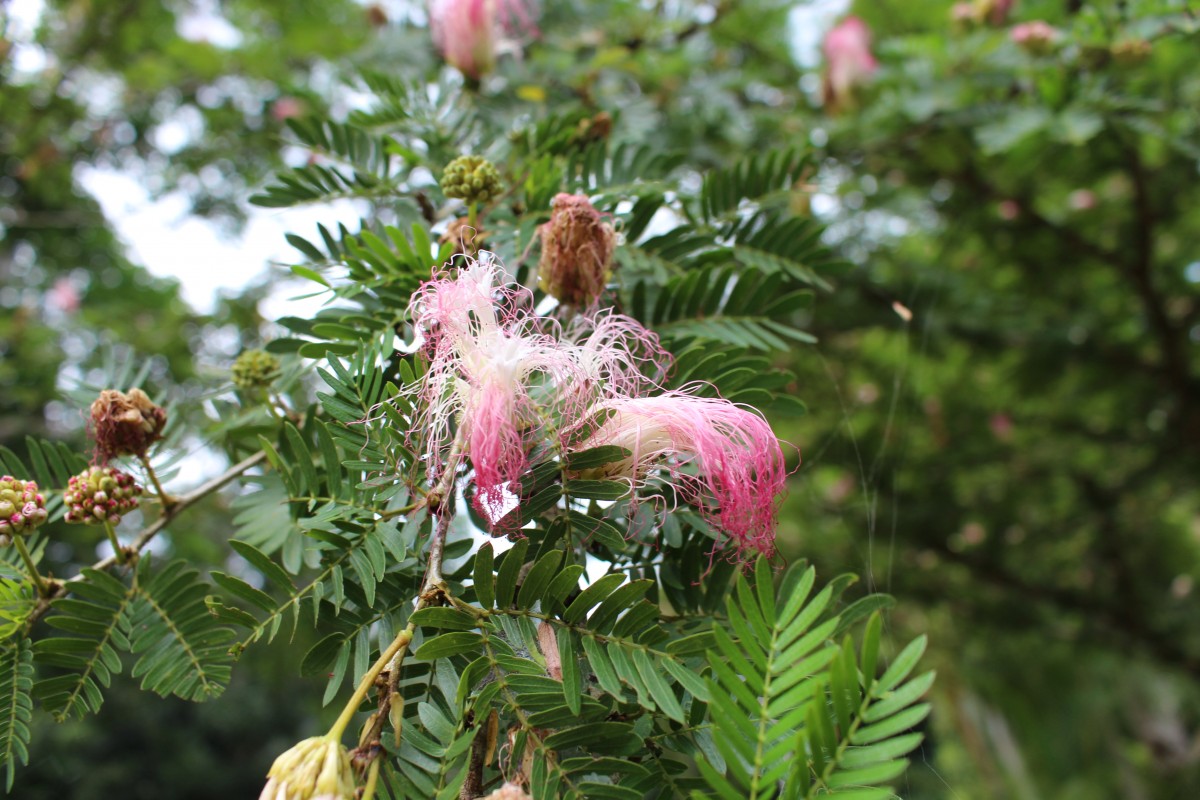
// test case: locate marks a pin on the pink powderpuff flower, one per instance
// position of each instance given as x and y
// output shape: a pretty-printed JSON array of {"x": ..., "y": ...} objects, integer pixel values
[
  {"x": 720, "y": 457},
  {"x": 470, "y": 33},
  {"x": 848, "y": 62},
  {"x": 614, "y": 356},
  {"x": 498, "y": 374}
]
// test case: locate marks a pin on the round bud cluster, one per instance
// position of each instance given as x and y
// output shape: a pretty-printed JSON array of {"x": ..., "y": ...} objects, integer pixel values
[
  {"x": 100, "y": 494},
  {"x": 577, "y": 251},
  {"x": 254, "y": 369},
  {"x": 22, "y": 508},
  {"x": 472, "y": 179},
  {"x": 126, "y": 424}
]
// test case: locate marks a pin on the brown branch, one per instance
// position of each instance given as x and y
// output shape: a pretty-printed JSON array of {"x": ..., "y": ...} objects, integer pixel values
[
  {"x": 144, "y": 538},
  {"x": 1124, "y": 621},
  {"x": 1140, "y": 273}
]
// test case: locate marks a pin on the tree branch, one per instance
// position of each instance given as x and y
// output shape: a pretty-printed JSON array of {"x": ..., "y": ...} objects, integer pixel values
[{"x": 144, "y": 538}]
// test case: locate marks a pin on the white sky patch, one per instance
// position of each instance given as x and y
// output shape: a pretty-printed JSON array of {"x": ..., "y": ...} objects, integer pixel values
[
  {"x": 163, "y": 237},
  {"x": 808, "y": 24},
  {"x": 27, "y": 58},
  {"x": 204, "y": 23}
]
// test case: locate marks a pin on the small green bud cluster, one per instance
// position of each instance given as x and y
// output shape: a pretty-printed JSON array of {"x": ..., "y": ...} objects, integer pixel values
[
  {"x": 472, "y": 179},
  {"x": 254, "y": 369},
  {"x": 100, "y": 494},
  {"x": 22, "y": 508}
]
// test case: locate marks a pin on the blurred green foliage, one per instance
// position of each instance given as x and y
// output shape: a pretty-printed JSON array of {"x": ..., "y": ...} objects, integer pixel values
[{"x": 1017, "y": 463}]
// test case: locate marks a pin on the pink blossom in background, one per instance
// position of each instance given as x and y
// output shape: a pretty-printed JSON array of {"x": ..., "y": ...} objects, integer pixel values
[
  {"x": 64, "y": 296},
  {"x": 287, "y": 107},
  {"x": 1001, "y": 426},
  {"x": 470, "y": 34},
  {"x": 721, "y": 457},
  {"x": 1036, "y": 36},
  {"x": 1008, "y": 210},
  {"x": 1082, "y": 200},
  {"x": 848, "y": 61}
]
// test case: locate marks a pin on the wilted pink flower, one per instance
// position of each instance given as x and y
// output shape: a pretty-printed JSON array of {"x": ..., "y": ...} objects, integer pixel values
[
  {"x": 720, "y": 457},
  {"x": 470, "y": 33},
  {"x": 848, "y": 61},
  {"x": 1036, "y": 36}
]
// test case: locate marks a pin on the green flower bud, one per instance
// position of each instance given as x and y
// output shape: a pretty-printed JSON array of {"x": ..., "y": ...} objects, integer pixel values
[
  {"x": 473, "y": 179},
  {"x": 100, "y": 494},
  {"x": 254, "y": 369}
]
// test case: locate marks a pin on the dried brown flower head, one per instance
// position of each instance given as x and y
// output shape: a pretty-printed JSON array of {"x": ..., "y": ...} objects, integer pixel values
[
  {"x": 577, "y": 251},
  {"x": 125, "y": 423}
]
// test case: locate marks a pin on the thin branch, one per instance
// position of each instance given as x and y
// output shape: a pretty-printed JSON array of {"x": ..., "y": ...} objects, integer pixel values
[{"x": 144, "y": 538}]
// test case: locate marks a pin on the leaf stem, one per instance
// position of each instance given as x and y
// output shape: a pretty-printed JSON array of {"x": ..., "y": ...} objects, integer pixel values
[
  {"x": 38, "y": 581},
  {"x": 116, "y": 544},
  {"x": 433, "y": 590},
  {"x": 164, "y": 498},
  {"x": 372, "y": 779}
]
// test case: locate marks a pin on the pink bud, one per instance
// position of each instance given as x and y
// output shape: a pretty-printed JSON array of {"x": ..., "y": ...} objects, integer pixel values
[{"x": 848, "y": 61}]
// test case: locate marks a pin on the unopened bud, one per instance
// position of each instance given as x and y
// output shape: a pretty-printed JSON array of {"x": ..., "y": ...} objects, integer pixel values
[
  {"x": 472, "y": 179},
  {"x": 22, "y": 508},
  {"x": 100, "y": 494},
  {"x": 254, "y": 369},
  {"x": 577, "y": 250},
  {"x": 315, "y": 769},
  {"x": 126, "y": 424}
]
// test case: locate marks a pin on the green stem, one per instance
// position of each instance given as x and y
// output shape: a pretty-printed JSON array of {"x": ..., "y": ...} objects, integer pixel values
[
  {"x": 164, "y": 498},
  {"x": 343, "y": 721},
  {"x": 116, "y": 545},
  {"x": 33, "y": 572},
  {"x": 472, "y": 213},
  {"x": 372, "y": 779}
]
